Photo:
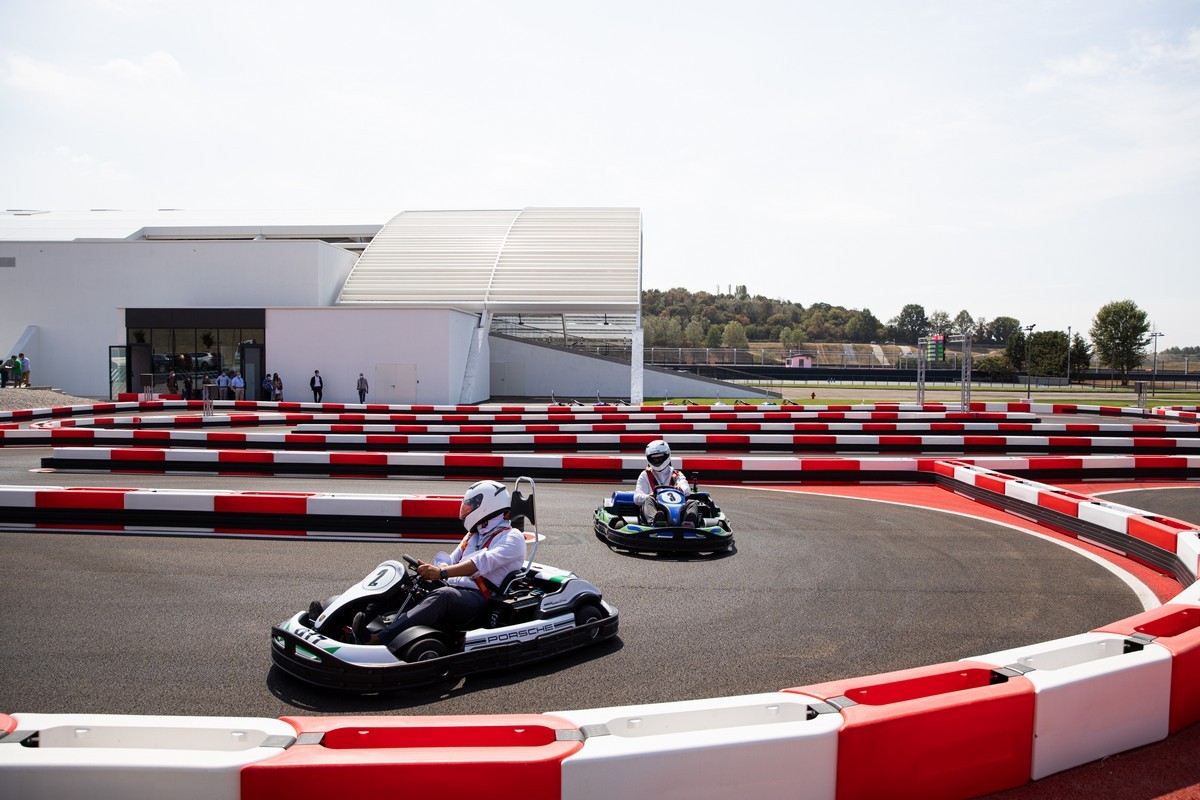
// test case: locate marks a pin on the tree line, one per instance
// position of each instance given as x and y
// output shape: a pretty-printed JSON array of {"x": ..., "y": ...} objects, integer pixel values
[{"x": 1120, "y": 331}]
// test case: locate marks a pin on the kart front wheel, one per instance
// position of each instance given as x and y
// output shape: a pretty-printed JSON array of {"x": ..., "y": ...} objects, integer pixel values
[
  {"x": 588, "y": 613},
  {"x": 424, "y": 650}
]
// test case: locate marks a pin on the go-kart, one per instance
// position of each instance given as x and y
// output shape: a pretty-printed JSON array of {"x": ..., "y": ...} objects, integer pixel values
[
  {"x": 539, "y": 611},
  {"x": 689, "y": 524}
]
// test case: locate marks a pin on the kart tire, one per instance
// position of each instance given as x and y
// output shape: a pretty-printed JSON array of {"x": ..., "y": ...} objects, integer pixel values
[
  {"x": 588, "y": 612},
  {"x": 424, "y": 650}
]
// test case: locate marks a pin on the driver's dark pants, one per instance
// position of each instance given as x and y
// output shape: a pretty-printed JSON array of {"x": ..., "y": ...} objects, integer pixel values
[
  {"x": 650, "y": 509},
  {"x": 446, "y": 607},
  {"x": 651, "y": 513}
]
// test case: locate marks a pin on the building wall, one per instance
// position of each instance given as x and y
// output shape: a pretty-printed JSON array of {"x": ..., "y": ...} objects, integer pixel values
[
  {"x": 521, "y": 368},
  {"x": 422, "y": 352},
  {"x": 76, "y": 292}
]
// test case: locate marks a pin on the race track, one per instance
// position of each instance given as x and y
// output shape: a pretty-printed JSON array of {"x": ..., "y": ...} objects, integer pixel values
[{"x": 819, "y": 588}]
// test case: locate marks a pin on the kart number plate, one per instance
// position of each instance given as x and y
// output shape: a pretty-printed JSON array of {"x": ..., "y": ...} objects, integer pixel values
[
  {"x": 381, "y": 578},
  {"x": 670, "y": 496}
]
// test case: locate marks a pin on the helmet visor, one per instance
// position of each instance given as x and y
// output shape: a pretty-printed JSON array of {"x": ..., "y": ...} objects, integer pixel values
[
  {"x": 469, "y": 504},
  {"x": 658, "y": 459}
]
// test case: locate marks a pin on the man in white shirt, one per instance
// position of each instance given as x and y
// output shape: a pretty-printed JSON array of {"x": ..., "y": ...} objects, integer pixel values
[{"x": 491, "y": 550}]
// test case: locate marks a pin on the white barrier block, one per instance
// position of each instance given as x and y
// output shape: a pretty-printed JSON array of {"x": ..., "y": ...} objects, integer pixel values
[
  {"x": 117, "y": 757},
  {"x": 763, "y": 745},
  {"x": 1189, "y": 596},
  {"x": 1106, "y": 515},
  {"x": 84, "y": 453},
  {"x": 282, "y": 457},
  {"x": 1093, "y": 699},
  {"x": 1021, "y": 490},
  {"x": 362, "y": 505},
  {"x": 1187, "y": 547},
  {"x": 169, "y": 501},
  {"x": 21, "y": 496}
]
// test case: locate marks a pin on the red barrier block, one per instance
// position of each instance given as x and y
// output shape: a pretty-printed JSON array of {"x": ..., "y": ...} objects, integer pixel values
[
  {"x": 572, "y": 464},
  {"x": 1177, "y": 628},
  {"x": 7, "y": 724},
  {"x": 261, "y": 503},
  {"x": 430, "y": 507},
  {"x": 944, "y": 731},
  {"x": 1061, "y": 501},
  {"x": 136, "y": 454},
  {"x": 1157, "y": 531}
]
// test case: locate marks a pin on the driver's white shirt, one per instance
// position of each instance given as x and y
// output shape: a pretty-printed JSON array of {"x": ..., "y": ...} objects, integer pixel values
[
  {"x": 643, "y": 490},
  {"x": 503, "y": 554}
]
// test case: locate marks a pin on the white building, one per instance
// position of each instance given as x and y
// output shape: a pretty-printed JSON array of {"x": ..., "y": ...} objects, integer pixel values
[{"x": 432, "y": 307}]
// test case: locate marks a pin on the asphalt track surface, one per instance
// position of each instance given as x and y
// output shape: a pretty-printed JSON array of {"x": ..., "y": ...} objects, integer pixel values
[{"x": 819, "y": 588}]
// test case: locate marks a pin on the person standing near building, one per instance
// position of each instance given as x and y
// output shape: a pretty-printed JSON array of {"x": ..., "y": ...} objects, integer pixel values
[
  {"x": 362, "y": 387},
  {"x": 25, "y": 370},
  {"x": 223, "y": 385},
  {"x": 6, "y": 372},
  {"x": 277, "y": 387},
  {"x": 268, "y": 388},
  {"x": 238, "y": 384},
  {"x": 317, "y": 385},
  {"x": 16, "y": 371}
]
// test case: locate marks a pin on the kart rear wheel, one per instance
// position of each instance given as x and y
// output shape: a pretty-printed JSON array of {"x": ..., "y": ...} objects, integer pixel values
[
  {"x": 424, "y": 650},
  {"x": 587, "y": 613}
]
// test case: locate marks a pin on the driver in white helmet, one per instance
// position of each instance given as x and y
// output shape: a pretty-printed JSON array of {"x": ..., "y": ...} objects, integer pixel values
[
  {"x": 491, "y": 550},
  {"x": 659, "y": 472}
]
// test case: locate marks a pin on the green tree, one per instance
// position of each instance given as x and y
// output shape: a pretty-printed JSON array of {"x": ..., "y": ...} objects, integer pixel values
[
  {"x": 1081, "y": 354},
  {"x": 1048, "y": 354},
  {"x": 939, "y": 322},
  {"x": 734, "y": 335},
  {"x": 1001, "y": 329},
  {"x": 963, "y": 322},
  {"x": 1119, "y": 333},
  {"x": 995, "y": 367},
  {"x": 911, "y": 324},
  {"x": 712, "y": 337},
  {"x": 1014, "y": 349},
  {"x": 693, "y": 334}
]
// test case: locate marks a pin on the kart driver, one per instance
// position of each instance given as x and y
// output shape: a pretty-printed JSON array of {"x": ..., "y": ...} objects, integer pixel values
[
  {"x": 491, "y": 550},
  {"x": 659, "y": 473}
]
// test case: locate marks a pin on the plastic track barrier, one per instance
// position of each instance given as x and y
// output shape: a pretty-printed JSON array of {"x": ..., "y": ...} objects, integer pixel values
[
  {"x": 764, "y": 745},
  {"x": 944, "y": 731},
  {"x": 1097, "y": 694},
  {"x": 190, "y": 512},
  {"x": 414, "y": 757},
  {"x": 1175, "y": 627},
  {"x": 113, "y": 757}
]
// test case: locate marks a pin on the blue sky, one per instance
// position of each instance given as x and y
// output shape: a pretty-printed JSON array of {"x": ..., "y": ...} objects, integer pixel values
[{"x": 1028, "y": 159}]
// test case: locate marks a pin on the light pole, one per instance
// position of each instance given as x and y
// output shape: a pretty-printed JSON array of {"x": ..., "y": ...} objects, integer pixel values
[
  {"x": 1154, "y": 375},
  {"x": 1028, "y": 353},
  {"x": 1068, "y": 356}
]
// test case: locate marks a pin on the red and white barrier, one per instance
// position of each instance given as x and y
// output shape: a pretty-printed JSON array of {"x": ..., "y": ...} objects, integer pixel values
[
  {"x": 1175, "y": 627},
  {"x": 115, "y": 757},
  {"x": 748, "y": 746},
  {"x": 225, "y": 512},
  {"x": 514, "y": 754},
  {"x": 1097, "y": 694},
  {"x": 943, "y": 731}
]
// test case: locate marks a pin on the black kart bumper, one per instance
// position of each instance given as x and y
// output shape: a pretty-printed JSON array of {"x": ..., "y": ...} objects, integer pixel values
[{"x": 328, "y": 671}]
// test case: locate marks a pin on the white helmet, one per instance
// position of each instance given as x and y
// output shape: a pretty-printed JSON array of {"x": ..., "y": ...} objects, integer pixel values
[
  {"x": 481, "y": 502},
  {"x": 658, "y": 455}
]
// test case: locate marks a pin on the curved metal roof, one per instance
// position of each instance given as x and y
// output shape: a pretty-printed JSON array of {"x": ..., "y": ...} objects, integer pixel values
[{"x": 576, "y": 263}]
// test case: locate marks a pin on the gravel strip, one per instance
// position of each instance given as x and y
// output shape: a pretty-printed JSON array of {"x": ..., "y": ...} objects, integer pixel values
[{"x": 12, "y": 399}]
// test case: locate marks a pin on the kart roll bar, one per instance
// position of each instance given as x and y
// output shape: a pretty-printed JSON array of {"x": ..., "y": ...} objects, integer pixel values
[{"x": 522, "y": 512}]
